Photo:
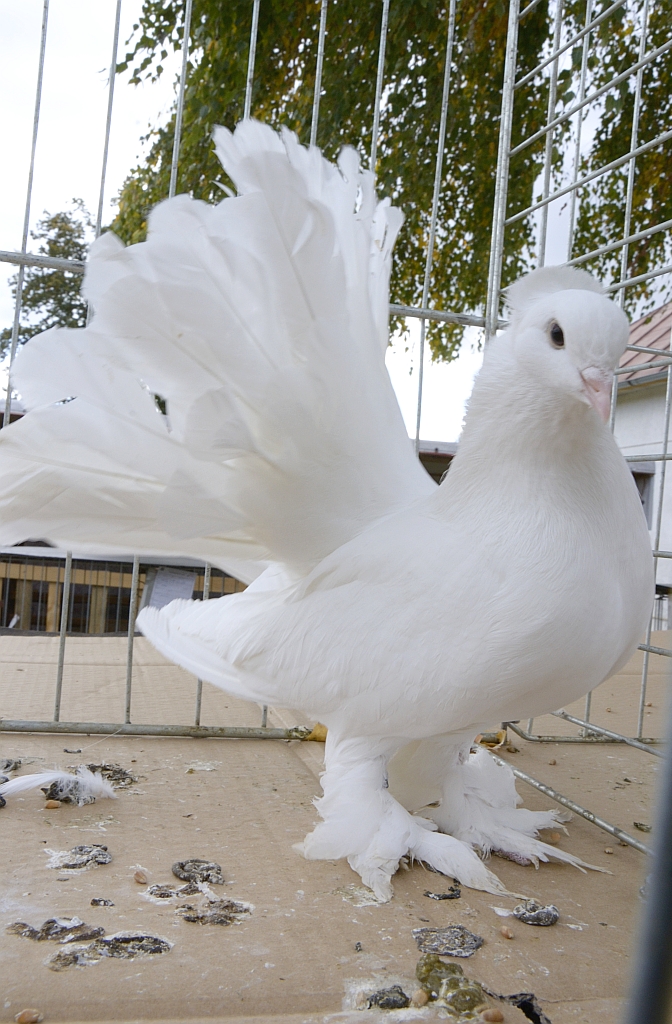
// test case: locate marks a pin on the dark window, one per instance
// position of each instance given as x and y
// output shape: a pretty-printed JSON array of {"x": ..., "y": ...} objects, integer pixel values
[
  {"x": 644, "y": 483},
  {"x": 8, "y": 601},
  {"x": 38, "y": 606},
  {"x": 117, "y": 610}
]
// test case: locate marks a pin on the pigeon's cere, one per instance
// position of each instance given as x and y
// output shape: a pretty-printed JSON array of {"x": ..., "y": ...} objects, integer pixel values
[
  {"x": 597, "y": 385},
  {"x": 406, "y": 617}
]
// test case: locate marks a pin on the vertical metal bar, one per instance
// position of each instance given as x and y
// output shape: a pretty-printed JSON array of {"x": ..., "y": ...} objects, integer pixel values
[
  {"x": 108, "y": 122},
  {"x": 579, "y": 126},
  {"x": 26, "y": 215},
  {"x": 199, "y": 698},
  {"x": 180, "y": 100},
  {"x": 89, "y": 592},
  {"x": 589, "y": 701},
  {"x": 199, "y": 682},
  {"x": 132, "y": 613},
  {"x": 250, "y": 60},
  {"x": 318, "y": 73},
  {"x": 656, "y": 544},
  {"x": 651, "y": 993},
  {"x": 65, "y": 610},
  {"x": 41, "y": 597},
  {"x": 548, "y": 155},
  {"x": 502, "y": 175},
  {"x": 435, "y": 210},
  {"x": 264, "y": 716},
  {"x": 633, "y": 145},
  {"x": 379, "y": 84},
  {"x": 614, "y": 399}
]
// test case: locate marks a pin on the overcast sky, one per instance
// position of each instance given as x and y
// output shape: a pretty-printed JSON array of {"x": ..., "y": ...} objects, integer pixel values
[{"x": 69, "y": 158}]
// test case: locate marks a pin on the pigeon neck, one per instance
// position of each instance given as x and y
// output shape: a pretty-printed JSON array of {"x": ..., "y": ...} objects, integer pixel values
[{"x": 516, "y": 431}]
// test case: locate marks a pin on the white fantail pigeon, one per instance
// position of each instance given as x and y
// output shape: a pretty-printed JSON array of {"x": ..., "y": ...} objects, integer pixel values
[{"x": 406, "y": 617}]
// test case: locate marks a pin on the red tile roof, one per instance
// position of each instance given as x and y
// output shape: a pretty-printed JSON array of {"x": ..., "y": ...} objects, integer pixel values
[{"x": 653, "y": 332}]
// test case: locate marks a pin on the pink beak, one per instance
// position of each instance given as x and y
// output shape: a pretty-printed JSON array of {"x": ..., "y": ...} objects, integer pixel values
[{"x": 597, "y": 386}]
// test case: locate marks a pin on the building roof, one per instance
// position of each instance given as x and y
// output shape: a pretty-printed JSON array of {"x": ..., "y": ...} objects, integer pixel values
[{"x": 652, "y": 332}]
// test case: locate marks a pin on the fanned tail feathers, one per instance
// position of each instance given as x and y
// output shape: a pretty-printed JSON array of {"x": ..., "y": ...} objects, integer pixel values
[{"x": 262, "y": 324}]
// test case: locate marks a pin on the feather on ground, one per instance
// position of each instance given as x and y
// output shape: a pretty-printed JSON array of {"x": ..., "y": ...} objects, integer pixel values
[{"x": 82, "y": 787}]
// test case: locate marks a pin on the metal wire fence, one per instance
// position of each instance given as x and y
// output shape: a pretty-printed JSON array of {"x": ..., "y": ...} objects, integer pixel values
[{"x": 574, "y": 183}]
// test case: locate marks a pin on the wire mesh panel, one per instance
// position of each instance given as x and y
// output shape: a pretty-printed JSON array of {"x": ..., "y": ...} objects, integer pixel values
[
  {"x": 587, "y": 209},
  {"x": 569, "y": 175},
  {"x": 603, "y": 182}
]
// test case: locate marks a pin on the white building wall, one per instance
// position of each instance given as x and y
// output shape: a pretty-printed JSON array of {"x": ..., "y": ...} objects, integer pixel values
[{"x": 639, "y": 429}]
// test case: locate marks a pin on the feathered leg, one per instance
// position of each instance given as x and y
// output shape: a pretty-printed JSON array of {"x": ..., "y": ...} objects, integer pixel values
[
  {"x": 363, "y": 822},
  {"x": 478, "y": 802}
]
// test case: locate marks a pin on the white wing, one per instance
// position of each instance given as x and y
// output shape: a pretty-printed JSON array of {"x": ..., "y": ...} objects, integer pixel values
[{"x": 263, "y": 324}]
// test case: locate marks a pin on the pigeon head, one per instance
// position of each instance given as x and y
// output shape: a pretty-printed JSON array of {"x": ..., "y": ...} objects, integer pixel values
[{"x": 567, "y": 334}]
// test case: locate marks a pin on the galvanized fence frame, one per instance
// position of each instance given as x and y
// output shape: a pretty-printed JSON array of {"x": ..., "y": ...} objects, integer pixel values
[
  {"x": 491, "y": 320},
  {"x": 590, "y": 732}
]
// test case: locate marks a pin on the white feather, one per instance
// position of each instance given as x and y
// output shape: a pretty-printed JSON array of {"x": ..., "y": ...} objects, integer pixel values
[
  {"x": 405, "y": 617},
  {"x": 267, "y": 309},
  {"x": 83, "y": 787}
]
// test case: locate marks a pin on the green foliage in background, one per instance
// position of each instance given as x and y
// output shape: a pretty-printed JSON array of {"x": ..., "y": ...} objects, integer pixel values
[
  {"x": 52, "y": 298},
  {"x": 414, "y": 69},
  {"x": 602, "y": 212},
  {"x": 414, "y": 72}
]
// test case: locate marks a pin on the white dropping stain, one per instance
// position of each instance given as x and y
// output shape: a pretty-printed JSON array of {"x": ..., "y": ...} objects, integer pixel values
[
  {"x": 357, "y": 895},
  {"x": 201, "y": 766}
]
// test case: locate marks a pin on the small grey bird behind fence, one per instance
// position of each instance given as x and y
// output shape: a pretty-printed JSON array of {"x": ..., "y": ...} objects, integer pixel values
[{"x": 576, "y": 93}]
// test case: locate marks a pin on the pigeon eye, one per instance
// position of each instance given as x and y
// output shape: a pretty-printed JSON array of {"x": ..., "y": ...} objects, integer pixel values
[{"x": 557, "y": 337}]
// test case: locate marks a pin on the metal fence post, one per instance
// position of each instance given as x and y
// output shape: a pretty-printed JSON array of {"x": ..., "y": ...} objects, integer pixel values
[
  {"x": 651, "y": 994},
  {"x": 132, "y": 613},
  {"x": 435, "y": 211},
  {"x": 180, "y": 100},
  {"x": 548, "y": 153},
  {"x": 65, "y": 611},
  {"x": 251, "y": 59},
  {"x": 26, "y": 216},
  {"x": 318, "y": 73},
  {"x": 502, "y": 174},
  {"x": 199, "y": 682},
  {"x": 379, "y": 84}
]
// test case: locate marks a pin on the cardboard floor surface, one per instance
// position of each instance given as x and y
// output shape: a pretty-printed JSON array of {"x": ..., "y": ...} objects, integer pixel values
[{"x": 244, "y": 803}]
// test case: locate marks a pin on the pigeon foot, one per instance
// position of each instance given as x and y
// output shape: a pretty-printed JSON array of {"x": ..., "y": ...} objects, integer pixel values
[{"x": 457, "y": 859}]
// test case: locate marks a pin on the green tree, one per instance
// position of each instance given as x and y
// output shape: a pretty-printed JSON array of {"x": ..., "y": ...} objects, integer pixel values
[
  {"x": 52, "y": 298},
  {"x": 414, "y": 68},
  {"x": 602, "y": 211}
]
